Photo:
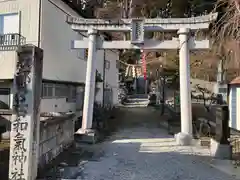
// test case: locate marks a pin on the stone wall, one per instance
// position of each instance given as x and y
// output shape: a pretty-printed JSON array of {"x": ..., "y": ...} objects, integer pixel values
[{"x": 56, "y": 134}]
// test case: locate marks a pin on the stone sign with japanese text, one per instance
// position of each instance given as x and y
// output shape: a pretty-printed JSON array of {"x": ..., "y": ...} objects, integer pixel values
[{"x": 25, "y": 118}]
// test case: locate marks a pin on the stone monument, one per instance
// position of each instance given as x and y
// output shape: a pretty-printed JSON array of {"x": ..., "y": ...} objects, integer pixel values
[{"x": 220, "y": 146}]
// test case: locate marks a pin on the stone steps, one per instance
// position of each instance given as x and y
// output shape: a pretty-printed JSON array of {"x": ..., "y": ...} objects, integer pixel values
[
  {"x": 136, "y": 100},
  {"x": 133, "y": 106},
  {"x": 138, "y": 96}
]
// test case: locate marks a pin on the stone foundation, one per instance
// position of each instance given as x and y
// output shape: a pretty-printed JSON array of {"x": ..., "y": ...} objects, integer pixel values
[
  {"x": 89, "y": 136},
  {"x": 220, "y": 151},
  {"x": 56, "y": 134},
  {"x": 183, "y": 139}
]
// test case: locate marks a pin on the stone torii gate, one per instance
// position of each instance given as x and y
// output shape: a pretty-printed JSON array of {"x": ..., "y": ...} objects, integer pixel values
[{"x": 137, "y": 27}]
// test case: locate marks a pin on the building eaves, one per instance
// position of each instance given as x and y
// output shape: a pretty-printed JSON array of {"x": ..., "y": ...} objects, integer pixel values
[{"x": 235, "y": 81}]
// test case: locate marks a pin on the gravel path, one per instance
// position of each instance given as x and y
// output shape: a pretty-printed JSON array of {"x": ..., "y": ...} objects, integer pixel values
[{"x": 148, "y": 153}]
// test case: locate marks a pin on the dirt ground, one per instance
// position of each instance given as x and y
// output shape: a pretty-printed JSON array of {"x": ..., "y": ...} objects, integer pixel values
[{"x": 139, "y": 150}]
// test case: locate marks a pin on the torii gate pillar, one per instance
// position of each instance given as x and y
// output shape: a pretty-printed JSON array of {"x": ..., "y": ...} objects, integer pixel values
[
  {"x": 185, "y": 136},
  {"x": 89, "y": 83}
]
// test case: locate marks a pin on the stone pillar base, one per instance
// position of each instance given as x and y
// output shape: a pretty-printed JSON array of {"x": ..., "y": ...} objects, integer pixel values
[
  {"x": 183, "y": 139},
  {"x": 220, "y": 151},
  {"x": 86, "y": 136}
]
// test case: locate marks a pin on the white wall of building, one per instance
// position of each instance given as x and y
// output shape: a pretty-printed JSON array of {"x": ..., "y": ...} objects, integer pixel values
[
  {"x": 60, "y": 62},
  {"x": 28, "y": 11},
  {"x": 57, "y": 105},
  {"x": 234, "y": 105},
  {"x": 112, "y": 73},
  {"x": 26, "y": 23},
  {"x": 54, "y": 104},
  {"x": 8, "y": 64},
  {"x": 100, "y": 65},
  {"x": 55, "y": 35}
]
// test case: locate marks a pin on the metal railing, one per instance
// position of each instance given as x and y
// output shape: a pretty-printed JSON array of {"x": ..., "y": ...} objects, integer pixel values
[{"x": 9, "y": 42}]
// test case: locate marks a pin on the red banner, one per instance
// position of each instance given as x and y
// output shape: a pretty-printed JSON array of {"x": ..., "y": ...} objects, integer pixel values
[{"x": 144, "y": 65}]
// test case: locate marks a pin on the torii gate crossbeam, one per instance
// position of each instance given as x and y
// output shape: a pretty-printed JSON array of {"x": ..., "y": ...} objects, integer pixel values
[
  {"x": 150, "y": 45},
  {"x": 156, "y": 24},
  {"x": 137, "y": 27}
]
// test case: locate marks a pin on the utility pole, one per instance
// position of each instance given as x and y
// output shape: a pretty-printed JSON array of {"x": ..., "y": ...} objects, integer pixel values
[
  {"x": 144, "y": 67},
  {"x": 136, "y": 78},
  {"x": 158, "y": 101},
  {"x": 146, "y": 86},
  {"x": 221, "y": 80},
  {"x": 163, "y": 91},
  {"x": 104, "y": 74}
]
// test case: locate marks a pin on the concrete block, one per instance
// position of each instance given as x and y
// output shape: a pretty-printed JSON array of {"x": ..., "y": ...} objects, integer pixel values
[
  {"x": 220, "y": 151},
  {"x": 205, "y": 141}
]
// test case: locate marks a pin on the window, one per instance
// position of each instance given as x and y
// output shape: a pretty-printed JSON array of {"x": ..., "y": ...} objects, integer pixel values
[
  {"x": 4, "y": 98},
  {"x": 72, "y": 96},
  {"x": 81, "y": 97},
  {"x": 9, "y": 27},
  {"x": 73, "y": 93},
  {"x": 47, "y": 90},
  {"x": 61, "y": 90},
  {"x": 9, "y": 23}
]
